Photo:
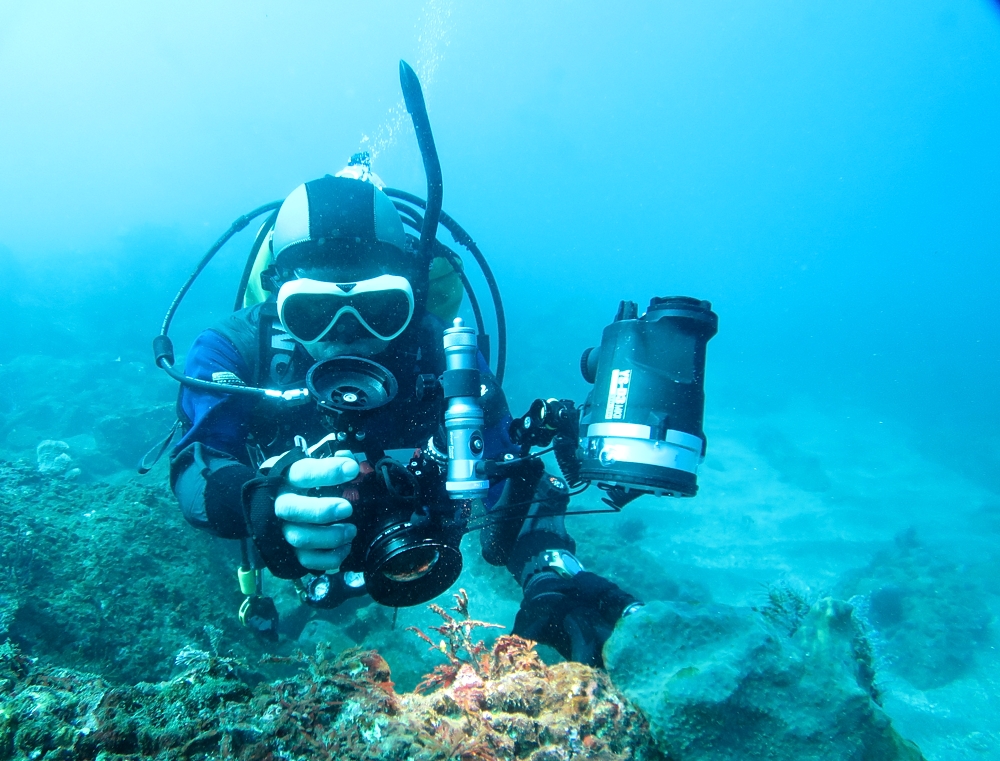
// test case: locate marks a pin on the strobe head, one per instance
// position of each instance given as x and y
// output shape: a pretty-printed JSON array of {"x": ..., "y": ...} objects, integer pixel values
[{"x": 641, "y": 427}]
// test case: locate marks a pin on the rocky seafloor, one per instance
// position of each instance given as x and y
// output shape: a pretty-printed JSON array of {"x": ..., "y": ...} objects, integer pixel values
[{"x": 786, "y": 618}]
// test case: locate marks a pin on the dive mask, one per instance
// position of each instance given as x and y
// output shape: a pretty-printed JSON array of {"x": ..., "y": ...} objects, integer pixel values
[{"x": 309, "y": 309}]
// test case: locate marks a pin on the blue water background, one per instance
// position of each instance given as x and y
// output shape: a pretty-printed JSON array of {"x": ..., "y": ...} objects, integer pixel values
[{"x": 828, "y": 174}]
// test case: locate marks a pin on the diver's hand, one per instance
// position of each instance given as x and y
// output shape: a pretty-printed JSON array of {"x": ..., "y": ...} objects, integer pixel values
[
  {"x": 312, "y": 524},
  {"x": 574, "y": 615}
]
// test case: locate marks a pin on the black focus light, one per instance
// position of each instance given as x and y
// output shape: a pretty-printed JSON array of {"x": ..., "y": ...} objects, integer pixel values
[{"x": 641, "y": 427}]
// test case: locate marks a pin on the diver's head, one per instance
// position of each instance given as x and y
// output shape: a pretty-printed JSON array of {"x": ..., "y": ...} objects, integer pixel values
[{"x": 350, "y": 281}]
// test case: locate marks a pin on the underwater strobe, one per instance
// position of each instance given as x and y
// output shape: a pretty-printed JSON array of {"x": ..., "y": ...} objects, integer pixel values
[{"x": 641, "y": 427}]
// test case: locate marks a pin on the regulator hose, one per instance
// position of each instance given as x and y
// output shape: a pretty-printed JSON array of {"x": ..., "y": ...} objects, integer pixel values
[
  {"x": 234, "y": 228},
  {"x": 464, "y": 239},
  {"x": 163, "y": 347}
]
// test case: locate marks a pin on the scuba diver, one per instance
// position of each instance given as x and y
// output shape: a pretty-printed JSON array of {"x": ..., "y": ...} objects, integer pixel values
[
  {"x": 347, "y": 282},
  {"x": 346, "y": 350}
]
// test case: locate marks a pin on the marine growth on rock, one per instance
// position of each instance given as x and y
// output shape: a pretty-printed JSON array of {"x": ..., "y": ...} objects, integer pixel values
[{"x": 485, "y": 703}]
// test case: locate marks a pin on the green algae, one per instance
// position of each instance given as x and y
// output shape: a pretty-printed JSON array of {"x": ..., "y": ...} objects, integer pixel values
[{"x": 109, "y": 579}]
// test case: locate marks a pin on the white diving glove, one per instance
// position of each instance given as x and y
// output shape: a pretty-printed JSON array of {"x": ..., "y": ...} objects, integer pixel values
[{"x": 313, "y": 525}]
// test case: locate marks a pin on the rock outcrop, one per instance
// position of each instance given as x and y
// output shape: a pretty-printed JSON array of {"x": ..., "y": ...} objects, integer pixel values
[
  {"x": 510, "y": 706},
  {"x": 718, "y": 682}
]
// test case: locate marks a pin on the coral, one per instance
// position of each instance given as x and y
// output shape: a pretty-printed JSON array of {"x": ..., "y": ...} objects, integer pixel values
[
  {"x": 457, "y": 645},
  {"x": 504, "y": 702},
  {"x": 335, "y": 707},
  {"x": 52, "y": 713},
  {"x": 54, "y": 460},
  {"x": 786, "y": 607}
]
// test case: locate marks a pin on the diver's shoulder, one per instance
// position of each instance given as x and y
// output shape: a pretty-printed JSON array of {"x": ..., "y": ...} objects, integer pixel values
[
  {"x": 249, "y": 318},
  {"x": 242, "y": 329}
]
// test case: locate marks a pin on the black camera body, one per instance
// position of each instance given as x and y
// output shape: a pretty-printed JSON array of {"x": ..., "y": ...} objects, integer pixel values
[{"x": 407, "y": 545}]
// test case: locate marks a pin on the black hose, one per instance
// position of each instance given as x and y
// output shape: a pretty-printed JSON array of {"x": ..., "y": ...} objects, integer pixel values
[
  {"x": 413, "y": 96},
  {"x": 163, "y": 350},
  {"x": 236, "y": 227},
  {"x": 413, "y": 220},
  {"x": 224, "y": 388},
  {"x": 464, "y": 239},
  {"x": 477, "y": 311}
]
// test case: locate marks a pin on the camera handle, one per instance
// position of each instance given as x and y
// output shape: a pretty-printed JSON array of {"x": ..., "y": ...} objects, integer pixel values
[{"x": 554, "y": 422}]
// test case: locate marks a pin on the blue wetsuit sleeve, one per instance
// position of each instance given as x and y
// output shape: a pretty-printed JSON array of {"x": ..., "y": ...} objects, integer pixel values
[
  {"x": 209, "y": 465},
  {"x": 218, "y": 420}
]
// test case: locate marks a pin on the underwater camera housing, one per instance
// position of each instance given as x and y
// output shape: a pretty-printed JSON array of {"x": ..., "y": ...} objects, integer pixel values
[
  {"x": 641, "y": 426},
  {"x": 410, "y": 517},
  {"x": 407, "y": 531}
]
